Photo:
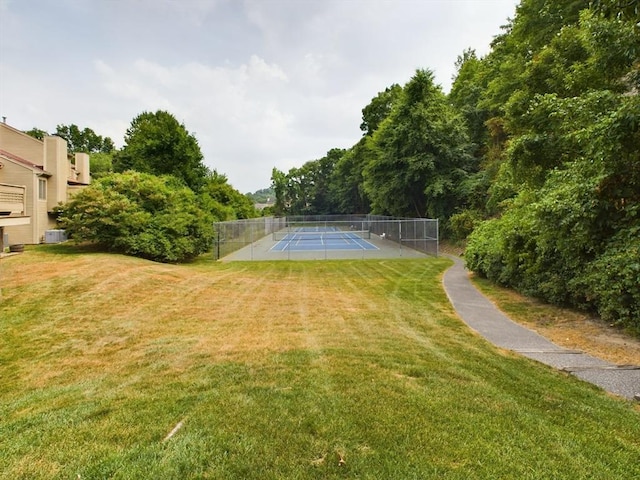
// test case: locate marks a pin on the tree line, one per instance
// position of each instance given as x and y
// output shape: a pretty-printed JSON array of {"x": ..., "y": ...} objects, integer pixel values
[{"x": 532, "y": 158}]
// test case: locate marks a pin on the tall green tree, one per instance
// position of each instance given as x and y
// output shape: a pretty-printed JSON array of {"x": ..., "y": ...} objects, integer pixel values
[
  {"x": 85, "y": 140},
  {"x": 466, "y": 94},
  {"x": 157, "y": 143},
  {"x": 101, "y": 164},
  {"x": 379, "y": 108},
  {"x": 323, "y": 201},
  {"x": 347, "y": 182},
  {"x": 535, "y": 24},
  {"x": 309, "y": 189},
  {"x": 279, "y": 183},
  {"x": 420, "y": 155}
]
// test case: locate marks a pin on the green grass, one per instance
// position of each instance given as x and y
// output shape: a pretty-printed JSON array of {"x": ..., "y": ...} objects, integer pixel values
[{"x": 296, "y": 370}]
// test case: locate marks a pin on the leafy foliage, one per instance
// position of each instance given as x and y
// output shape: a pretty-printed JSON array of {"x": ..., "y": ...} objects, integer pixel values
[
  {"x": 37, "y": 133},
  {"x": 141, "y": 215},
  {"x": 347, "y": 181},
  {"x": 560, "y": 164},
  {"x": 156, "y": 143},
  {"x": 575, "y": 239},
  {"x": 224, "y": 201},
  {"x": 420, "y": 155},
  {"x": 101, "y": 164},
  {"x": 380, "y": 107},
  {"x": 85, "y": 140},
  {"x": 466, "y": 93},
  {"x": 308, "y": 190}
]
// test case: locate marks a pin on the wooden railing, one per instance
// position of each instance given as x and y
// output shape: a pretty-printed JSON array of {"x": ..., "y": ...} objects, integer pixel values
[{"x": 13, "y": 200}]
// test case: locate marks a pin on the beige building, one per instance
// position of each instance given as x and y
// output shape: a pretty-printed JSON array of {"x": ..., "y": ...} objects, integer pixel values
[{"x": 35, "y": 176}]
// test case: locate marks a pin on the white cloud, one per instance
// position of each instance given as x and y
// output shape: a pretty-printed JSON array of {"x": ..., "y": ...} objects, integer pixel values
[{"x": 239, "y": 114}]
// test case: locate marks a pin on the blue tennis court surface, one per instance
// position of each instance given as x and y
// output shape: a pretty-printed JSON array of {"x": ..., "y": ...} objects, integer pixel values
[{"x": 302, "y": 239}]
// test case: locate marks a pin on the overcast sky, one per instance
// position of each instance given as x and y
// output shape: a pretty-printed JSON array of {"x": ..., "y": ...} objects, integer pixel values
[{"x": 260, "y": 83}]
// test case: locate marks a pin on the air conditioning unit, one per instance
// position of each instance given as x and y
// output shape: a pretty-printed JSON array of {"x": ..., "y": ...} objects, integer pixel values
[{"x": 55, "y": 236}]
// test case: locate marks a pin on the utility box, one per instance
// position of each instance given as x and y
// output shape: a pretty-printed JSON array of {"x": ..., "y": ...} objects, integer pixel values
[{"x": 55, "y": 236}]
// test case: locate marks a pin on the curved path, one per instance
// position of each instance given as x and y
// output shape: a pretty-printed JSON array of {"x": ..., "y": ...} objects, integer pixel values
[{"x": 483, "y": 317}]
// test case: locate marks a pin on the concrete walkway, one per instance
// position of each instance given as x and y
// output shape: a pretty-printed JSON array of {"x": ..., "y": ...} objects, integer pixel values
[{"x": 483, "y": 317}]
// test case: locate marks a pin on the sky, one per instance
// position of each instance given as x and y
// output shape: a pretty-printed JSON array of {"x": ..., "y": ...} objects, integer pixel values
[{"x": 259, "y": 83}]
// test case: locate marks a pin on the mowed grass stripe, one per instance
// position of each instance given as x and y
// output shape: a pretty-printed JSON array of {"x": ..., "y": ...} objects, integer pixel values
[{"x": 278, "y": 370}]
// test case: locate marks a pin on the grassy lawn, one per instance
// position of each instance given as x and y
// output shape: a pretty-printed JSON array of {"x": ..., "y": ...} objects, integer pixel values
[{"x": 115, "y": 367}]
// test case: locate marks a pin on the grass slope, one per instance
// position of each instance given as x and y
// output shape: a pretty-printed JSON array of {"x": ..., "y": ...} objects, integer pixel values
[{"x": 297, "y": 370}]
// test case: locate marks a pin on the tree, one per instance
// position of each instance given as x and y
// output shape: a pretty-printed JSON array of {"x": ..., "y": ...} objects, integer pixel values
[
  {"x": 420, "y": 155},
  {"x": 279, "y": 183},
  {"x": 535, "y": 25},
  {"x": 379, "y": 109},
  {"x": 466, "y": 93},
  {"x": 85, "y": 140},
  {"x": 347, "y": 182},
  {"x": 574, "y": 239},
  {"x": 618, "y": 9},
  {"x": 141, "y": 215},
  {"x": 307, "y": 190},
  {"x": 157, "y": 143},
  {"x": 37, "y": 133},
  {"x": 101, "y": 164},
  {"x": 224, "y": 201},
  {"x": 299, "y": 188},
  {"x": 322, "y": 202}
]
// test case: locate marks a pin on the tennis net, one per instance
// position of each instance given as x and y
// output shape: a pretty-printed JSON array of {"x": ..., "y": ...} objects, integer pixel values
[{"x": 295, "y": 236}]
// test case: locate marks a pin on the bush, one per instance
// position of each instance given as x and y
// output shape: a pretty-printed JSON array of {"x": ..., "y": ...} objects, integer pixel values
[
  {"x": 612, "y": 281},
  {"x": 462, "y": 224},
  {"x": 141, "y": 215},
  {"x": 575, "y": 240}
]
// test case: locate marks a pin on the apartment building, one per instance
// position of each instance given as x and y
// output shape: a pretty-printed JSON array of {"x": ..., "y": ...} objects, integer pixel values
[{"x": 35, "y": 176}]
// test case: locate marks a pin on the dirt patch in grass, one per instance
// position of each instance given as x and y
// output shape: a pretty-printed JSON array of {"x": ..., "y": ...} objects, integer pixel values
[{"x": 592, "y": 336}]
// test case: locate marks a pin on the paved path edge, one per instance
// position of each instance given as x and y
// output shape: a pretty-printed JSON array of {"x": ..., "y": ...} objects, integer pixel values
[{"x": 482, "y": 316}]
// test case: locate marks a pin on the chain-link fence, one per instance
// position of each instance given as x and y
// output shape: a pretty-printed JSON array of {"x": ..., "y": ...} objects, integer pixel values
[
  {"x": 236, "y": 234},
  {"x": 417, "y": 233},
  {"x": 397, "y": 236}
]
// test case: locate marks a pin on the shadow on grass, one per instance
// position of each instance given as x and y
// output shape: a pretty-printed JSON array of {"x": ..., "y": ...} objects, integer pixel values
[{"x": 70, "y": 248}]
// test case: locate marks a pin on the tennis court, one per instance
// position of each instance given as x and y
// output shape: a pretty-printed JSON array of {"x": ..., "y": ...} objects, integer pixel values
[
  {"x": 310, "y": 239},
  {"x": 326, "y": 237}
]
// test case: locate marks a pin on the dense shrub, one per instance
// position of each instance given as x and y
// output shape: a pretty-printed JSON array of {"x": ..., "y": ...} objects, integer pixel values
[
  {"x": 462, "y": 224},
  {"x": 612, "y": 281},
  {"x": 141, "y": 215},
  {"x": 576, "y": 240}
]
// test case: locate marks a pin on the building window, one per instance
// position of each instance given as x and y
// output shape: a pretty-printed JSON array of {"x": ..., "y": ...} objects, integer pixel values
[{"x": 42, "y": 188}]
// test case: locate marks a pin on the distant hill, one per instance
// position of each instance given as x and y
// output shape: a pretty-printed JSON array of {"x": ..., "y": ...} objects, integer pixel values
[{"x": 264, "y": 196}]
